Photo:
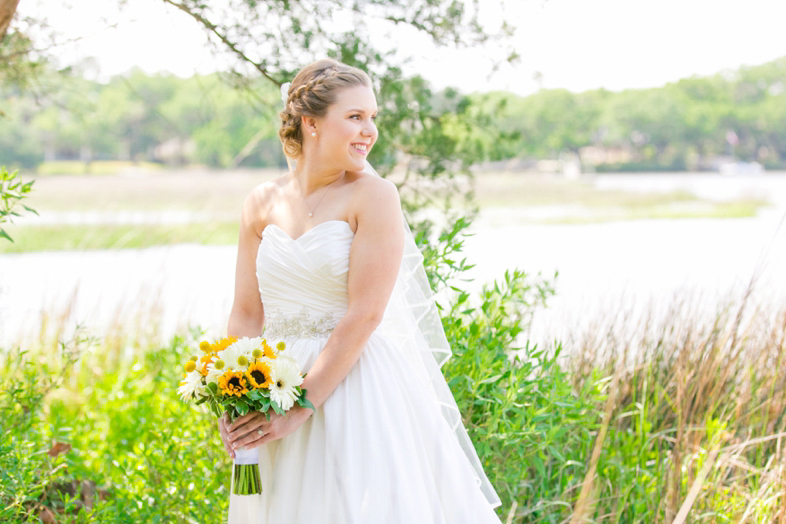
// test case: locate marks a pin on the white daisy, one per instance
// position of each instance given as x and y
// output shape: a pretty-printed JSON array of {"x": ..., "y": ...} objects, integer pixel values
[
  {"x": 213, "y": 373},
  {"x": 286, "y": 377},
  {"x": 241, "y": 348},
  {"x": 246, "y": 346},
  {"x": 191, "y": 385}
]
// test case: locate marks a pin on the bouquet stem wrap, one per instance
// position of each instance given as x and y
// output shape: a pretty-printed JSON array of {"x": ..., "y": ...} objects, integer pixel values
[{"x": 246, "y": 479}]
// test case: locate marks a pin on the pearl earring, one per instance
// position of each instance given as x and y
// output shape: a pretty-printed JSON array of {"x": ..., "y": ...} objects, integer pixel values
[{"x": 313, "y": 133}]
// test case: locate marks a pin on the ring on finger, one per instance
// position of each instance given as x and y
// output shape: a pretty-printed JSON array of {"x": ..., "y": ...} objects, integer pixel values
[{"x": 261, "y": 433}]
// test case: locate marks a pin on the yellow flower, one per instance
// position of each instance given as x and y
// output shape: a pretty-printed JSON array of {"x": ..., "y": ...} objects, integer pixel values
[
  {"x": 233, "y": 383},
  {"x": 194, "y": 358},
  {"x": 258, "y": 375},
  {"x": 269, "y": 353},
  {"x": 281, "y": 346},
  {"x": 223, "y": 344},
  {"x": 242, "y": 361},
  {"x": 206, "y": 359},
  {"x": 204, "y": 346},
  {"x": 257, "y": 353},
  {"x": 190, "y": 366}
]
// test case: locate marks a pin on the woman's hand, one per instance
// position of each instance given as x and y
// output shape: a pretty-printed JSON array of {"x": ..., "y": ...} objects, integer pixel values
[
  {"x": 223, "y": 428},
  {"x": 253, "y": 429}
]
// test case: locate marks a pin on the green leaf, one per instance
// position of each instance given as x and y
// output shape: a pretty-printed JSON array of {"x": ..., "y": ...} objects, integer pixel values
[
  {"x": 306, "y": 403},
  {"x": 276, "y": 407}
]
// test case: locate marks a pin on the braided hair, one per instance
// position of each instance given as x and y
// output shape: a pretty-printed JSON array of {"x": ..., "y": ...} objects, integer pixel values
[{"x": 314, "y": 89}]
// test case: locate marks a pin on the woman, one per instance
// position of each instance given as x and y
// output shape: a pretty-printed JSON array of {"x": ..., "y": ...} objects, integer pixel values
[{"x": 325, "y": 262}]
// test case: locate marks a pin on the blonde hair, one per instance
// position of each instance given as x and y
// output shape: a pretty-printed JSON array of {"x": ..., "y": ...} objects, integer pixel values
[{"x": 312, "y": 92}]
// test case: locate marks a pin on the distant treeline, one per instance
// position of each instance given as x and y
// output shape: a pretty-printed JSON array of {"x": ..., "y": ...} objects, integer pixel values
[{"x": 690, "y": 124}]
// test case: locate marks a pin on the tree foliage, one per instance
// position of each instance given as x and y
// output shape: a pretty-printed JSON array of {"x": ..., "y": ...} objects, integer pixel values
[
  {"x": 682, "y": 125},
  {"x": 205, "y": 120}
]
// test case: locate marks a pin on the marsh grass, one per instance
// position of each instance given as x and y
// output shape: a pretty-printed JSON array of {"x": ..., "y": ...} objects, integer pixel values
[
  {"x": 681, "y": 415},
  {"x": 193, "y": 190},
  {"x": 742, "y": 208},
  {"x": 221, "y": 194},
  {"x": 117, "y": 236},
  {"x": 697, "y": 428},
  {"x": 99, "y": 167},
  {"x": 505, "y": 189},
  {"x": 680, "y": 419}
]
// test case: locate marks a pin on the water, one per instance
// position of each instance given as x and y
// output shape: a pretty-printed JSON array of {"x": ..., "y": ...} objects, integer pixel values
[{"x": 605, "y": 269}]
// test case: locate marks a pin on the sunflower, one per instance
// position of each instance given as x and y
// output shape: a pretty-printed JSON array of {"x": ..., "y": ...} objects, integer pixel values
[
  {"x": 269, "y": 353},
  {"x": 258, "y": 375},
  {"x": 233, "y": 383}
]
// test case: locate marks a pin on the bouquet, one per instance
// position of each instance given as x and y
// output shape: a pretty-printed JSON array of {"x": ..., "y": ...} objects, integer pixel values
[{"x": 237, "y": 376}]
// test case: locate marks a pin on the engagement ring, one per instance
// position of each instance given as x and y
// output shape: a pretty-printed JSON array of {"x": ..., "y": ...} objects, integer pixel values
[{"x": 261, "y": 432}]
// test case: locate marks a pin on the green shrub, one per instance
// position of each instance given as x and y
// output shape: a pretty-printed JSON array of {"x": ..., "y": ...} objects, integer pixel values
[
  {"x": 12, "y": 192},
  {"x": 138, "y": 454}
]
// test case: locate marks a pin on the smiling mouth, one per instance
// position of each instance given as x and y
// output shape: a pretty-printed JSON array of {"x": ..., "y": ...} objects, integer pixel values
[{"x": 361, "y": 148}]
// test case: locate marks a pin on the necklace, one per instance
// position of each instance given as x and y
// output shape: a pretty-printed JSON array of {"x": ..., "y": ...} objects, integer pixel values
[{"x": 311, "y": 213}]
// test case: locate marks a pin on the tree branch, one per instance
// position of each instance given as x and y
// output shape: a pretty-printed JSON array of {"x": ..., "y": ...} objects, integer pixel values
[{"x": 213, "y": 29}]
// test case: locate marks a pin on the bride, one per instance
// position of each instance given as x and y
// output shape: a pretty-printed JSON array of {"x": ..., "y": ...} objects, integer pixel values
[{"x": 327, "y": 264}]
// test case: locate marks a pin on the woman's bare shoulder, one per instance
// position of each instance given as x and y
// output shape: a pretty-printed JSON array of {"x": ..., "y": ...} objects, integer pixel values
[
  {"x": 367, "y": 185},
  {"x": 373, "y": 195},
  {"x": 259, "y": 202}
]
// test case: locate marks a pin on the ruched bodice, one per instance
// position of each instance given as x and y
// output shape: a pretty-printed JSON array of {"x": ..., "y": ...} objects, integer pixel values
[{"x": 303, "y": 281}]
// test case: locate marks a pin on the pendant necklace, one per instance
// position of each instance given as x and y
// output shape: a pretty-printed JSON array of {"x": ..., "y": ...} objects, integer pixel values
[{"x": 311, "y": 213}]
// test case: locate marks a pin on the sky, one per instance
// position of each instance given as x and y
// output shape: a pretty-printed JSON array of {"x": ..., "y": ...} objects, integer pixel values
[{"x": 572, "y": 44}]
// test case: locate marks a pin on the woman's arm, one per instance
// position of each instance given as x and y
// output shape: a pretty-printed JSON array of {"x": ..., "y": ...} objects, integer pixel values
[
  {"x": 374, "y": 262},
  {"x": 247, "y": 315}
]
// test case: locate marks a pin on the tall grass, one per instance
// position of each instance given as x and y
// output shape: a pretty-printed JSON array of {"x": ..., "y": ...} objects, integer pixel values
[
  {"x": 698, "y": 416},
  {"x": 681, "y": 419}
]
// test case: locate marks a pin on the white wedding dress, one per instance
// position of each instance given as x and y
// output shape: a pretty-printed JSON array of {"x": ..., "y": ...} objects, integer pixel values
[{"x": 379, "y": 450}]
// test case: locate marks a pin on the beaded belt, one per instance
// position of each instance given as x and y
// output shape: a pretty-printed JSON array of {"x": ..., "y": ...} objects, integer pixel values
[{"x": 304, "y": 324}]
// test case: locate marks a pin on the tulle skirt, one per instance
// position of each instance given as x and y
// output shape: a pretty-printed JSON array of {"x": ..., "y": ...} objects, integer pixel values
[{"x": 378, "y": 451}]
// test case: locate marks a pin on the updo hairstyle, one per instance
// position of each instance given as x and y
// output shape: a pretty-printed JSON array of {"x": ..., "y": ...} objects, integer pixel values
[{"x": 314, "y": 89}]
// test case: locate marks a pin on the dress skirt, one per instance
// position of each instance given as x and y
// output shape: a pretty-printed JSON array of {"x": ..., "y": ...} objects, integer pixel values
[{"x": 378, "y": 451}]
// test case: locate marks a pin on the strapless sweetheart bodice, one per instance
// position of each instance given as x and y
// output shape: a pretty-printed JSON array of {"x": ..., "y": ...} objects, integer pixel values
[{"x": 303, "y": 281}]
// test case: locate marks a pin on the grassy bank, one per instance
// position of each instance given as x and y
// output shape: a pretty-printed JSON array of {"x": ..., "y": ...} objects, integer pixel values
[
  {"x": 86, "y": 212},
  {"x": 117, "y": 236},
  {"x": 682, "y": 418}
]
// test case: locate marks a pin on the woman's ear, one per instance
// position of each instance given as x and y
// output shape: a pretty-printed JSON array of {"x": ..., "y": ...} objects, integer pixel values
[{"x": 308, "y": 124}]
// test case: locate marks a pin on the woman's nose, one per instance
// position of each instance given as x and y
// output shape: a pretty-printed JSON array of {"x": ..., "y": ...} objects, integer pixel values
[{"x": 370, "y": 129}]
